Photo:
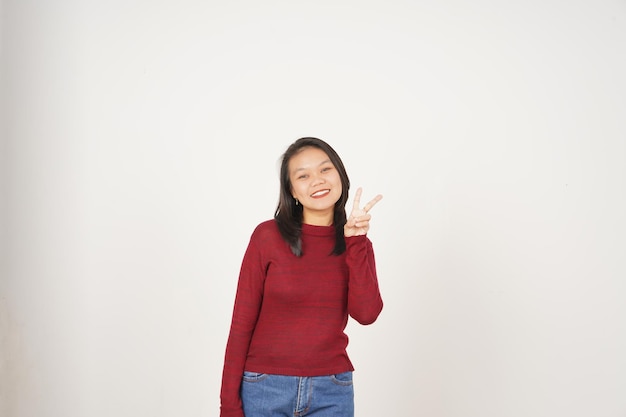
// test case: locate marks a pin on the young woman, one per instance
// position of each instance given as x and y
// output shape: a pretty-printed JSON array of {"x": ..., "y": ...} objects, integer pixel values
[{"x": 303, "y": 273}]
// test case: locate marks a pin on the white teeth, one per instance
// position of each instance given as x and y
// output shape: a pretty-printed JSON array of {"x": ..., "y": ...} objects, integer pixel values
[{"x": 322, "y": 192}]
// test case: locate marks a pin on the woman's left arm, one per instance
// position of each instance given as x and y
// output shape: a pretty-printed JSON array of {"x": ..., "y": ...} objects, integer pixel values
[{"x": 364, "y": 300}]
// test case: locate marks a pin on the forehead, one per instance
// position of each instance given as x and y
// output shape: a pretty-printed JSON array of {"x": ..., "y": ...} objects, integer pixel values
[{"x": 308, "y": 157}]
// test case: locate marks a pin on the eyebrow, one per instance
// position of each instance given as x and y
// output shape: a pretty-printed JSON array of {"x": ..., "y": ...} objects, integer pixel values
[{"x": 320, "y": 164}]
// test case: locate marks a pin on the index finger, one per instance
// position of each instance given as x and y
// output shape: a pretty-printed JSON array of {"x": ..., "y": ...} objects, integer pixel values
[{"x": 372, "y": 203}]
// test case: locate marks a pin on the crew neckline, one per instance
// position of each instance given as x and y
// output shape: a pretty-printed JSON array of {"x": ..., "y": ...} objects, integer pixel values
[{"x": 310, "y": 229}]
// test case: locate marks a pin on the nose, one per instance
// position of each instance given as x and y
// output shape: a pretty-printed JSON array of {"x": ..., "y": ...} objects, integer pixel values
[{"x": 317, "y": 179}]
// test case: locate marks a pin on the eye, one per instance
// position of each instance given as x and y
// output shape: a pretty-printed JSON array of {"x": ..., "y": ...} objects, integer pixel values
[
  {"x": 325, "y": 169},
  {"x": 303, "y": 176}
]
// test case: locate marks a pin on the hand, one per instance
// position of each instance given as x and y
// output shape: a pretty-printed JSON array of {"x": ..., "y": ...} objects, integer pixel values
[{"x": 359, "y": 220}]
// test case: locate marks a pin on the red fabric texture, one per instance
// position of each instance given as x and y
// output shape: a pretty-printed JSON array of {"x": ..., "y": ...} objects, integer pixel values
[{"x": 290, "y": 312}]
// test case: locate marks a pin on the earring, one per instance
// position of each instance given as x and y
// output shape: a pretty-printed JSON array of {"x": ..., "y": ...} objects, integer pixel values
[{"x": 297, "y": 202}]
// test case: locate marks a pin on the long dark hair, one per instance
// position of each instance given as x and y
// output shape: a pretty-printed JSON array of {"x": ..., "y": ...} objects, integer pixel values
[{"x": 288, "y": 215}]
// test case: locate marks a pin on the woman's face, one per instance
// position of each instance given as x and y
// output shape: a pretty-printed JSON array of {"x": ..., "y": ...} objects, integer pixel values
[{"x": 316, "y": 183}]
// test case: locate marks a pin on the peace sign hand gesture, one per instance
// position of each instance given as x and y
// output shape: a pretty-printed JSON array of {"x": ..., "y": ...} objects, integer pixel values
[{"x": 359, "y": 220}]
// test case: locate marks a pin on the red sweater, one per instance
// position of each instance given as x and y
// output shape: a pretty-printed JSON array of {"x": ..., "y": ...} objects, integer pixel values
[{"x": 290, "y": 312}]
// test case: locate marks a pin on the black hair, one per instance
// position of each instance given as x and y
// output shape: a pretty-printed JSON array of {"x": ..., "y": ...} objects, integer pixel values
[{"x": 289, "y": 216}]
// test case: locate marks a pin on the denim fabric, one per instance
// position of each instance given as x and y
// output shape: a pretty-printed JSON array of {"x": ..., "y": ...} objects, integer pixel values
[{"x": 265, "y": 395}]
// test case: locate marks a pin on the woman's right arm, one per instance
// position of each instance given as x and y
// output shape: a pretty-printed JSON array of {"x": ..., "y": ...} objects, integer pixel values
[{"x": 245, "y": 314}]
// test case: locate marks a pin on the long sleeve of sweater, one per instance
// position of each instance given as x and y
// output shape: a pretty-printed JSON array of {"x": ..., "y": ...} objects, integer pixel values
[
  {"x": 364, "y": 300},
  {"x": 245, "y": 315}
]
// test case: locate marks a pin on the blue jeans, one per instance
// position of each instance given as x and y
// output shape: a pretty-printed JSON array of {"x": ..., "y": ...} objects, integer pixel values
[{"x": 265, "y": 395}]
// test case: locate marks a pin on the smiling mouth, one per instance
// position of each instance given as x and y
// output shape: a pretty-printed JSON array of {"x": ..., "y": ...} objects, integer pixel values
[{"x": 320, "y": 193}]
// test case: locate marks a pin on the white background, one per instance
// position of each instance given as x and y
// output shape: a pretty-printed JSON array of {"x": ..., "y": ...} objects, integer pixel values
[{"x": 140, "y": 143}]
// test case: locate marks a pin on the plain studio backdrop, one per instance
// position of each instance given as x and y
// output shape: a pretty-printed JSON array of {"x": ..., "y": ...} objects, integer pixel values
[{"x": 140, "y": 148}]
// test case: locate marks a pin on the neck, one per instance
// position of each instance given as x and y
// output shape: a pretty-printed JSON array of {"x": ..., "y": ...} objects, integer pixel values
[{"x": 317, "y": 219}]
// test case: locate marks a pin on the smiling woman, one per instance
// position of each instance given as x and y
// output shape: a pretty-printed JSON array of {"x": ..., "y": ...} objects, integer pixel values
[
  {"x": 315, "y": 184},
  {"x": 303, "y": 274},
  {"x": 302, "y": 154}
]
